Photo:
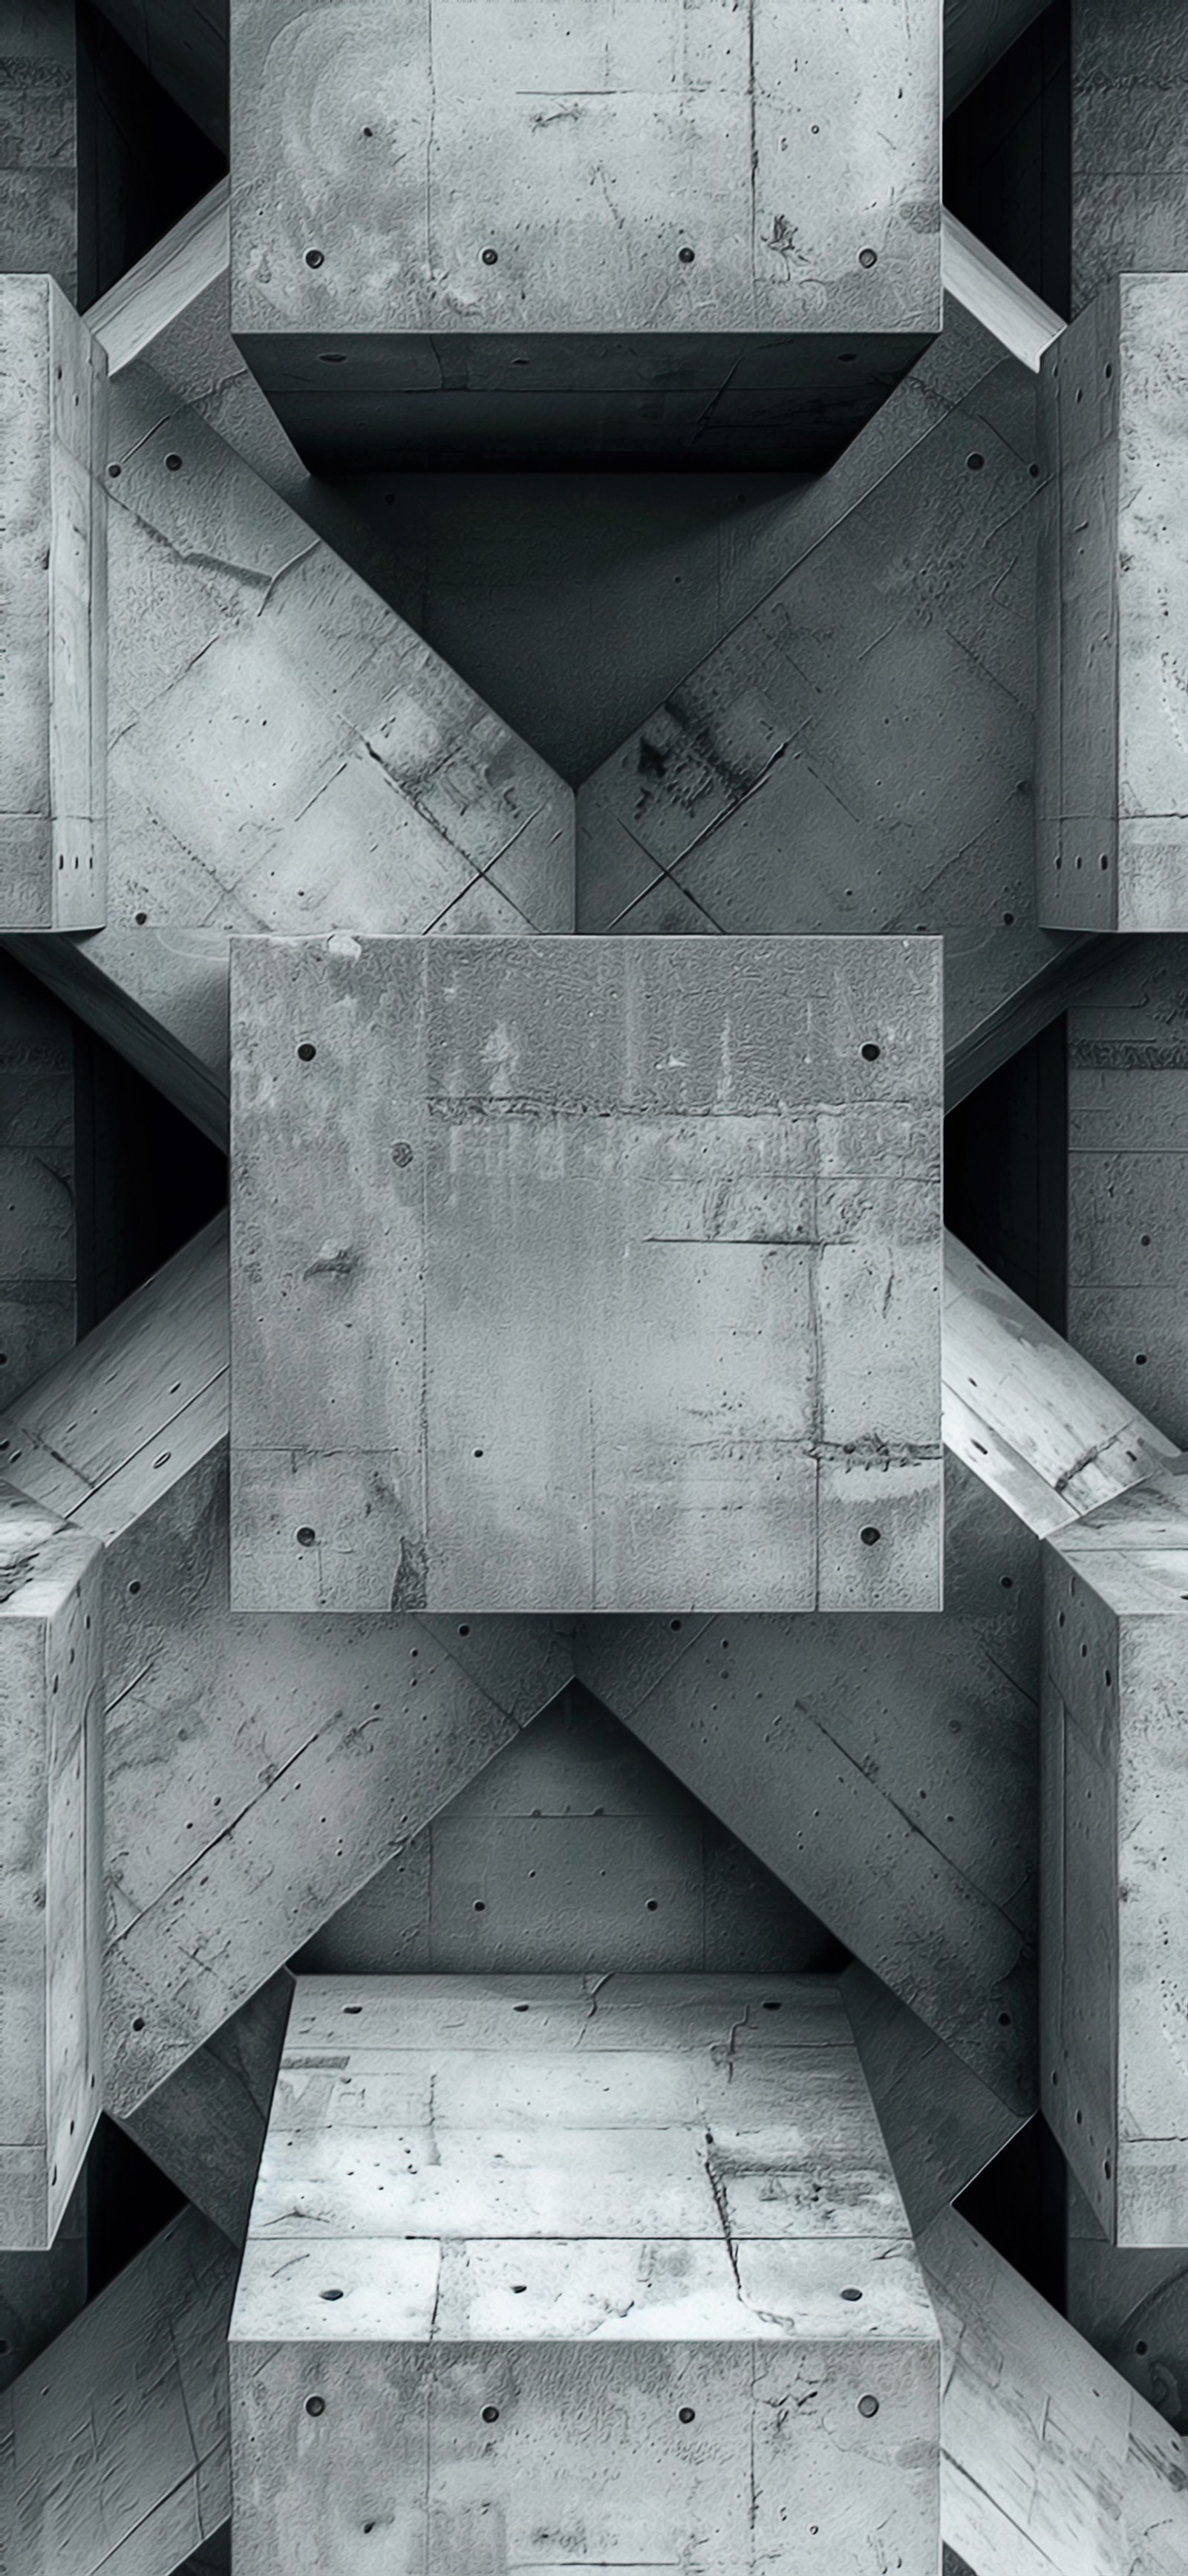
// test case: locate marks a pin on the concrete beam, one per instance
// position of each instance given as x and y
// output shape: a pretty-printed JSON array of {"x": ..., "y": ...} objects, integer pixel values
[
  {"x": 815, "y": 1478},
  {"x": 1112, "y": 774},
  {"x": 1115, "y": 1905},
  {"x": 40, "y": 2293},
  {"x": 113, "y": 2448},
  {"x": 259, "y": 1771},
  {"x": 52, "y": 573},
  {"x": 941, "y": 2123},
  {"x": 1050, "y": 2465},
  {"x": 50, "y": 1864},
  {"x": 630, "y": 239},
  {"x": 696, "y": 2224},
  {"x": 205, "y": 2125}
]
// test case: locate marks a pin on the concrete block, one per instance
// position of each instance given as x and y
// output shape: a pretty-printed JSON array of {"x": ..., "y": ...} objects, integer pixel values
[
  {"x": 1129, "y": 118},
  {"x": 114, "y": 2452},
  {"x": 38, "y": 140},
  {"x": 597, "y": 2268},
  {"x": 611, "y": 1163},
  {"x": 1114, "y": 1927},
  {"x": 52, "y": 574},
  {"x": 50, "y": 1864},
  {"x": 1112, "y": 769},
  {"x": 644, "y": 231},
  {"x": 1051, "y": 2465}
]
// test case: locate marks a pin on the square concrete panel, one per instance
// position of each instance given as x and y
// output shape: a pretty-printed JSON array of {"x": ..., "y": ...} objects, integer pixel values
[
  {"x": 586, "y": 1274},
  {"x": 644, "y": 227},
  {"x": 579, "y": 2271},
  {"x": 1112, "y": 745}
]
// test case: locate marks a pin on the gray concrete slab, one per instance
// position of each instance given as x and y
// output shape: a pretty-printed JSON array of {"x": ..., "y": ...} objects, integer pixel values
[{"x": 541, "y": 1251}]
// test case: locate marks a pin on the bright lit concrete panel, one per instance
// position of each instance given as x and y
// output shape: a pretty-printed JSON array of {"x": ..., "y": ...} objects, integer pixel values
[{"x": 577, "y": 1274}]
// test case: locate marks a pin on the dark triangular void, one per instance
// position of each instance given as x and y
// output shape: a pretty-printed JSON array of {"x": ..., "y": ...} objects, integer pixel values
[{"x": 574, "y": 1851}]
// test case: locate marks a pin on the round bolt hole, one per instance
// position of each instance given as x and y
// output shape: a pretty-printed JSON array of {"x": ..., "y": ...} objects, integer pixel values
[
  {"x": 652, "y": 1906},
  {"x": 1006, "y": 1582},
  {"x": 868, "y": 258},
  {"x": 402, "y": 1155},
  {"x": 478, "y": 1453},
  {"x": 1144, "y": 1239},
  {"x": 307, "y": 1537},
  {"x": 870, "y": 1536},
  {"x": 686, "y": 257},
  {"x": 1140, "y": 2347},
  {"x": 464, "y": 1631},
  {"x": 134, "y": 1587},
  {"x": 115, "y": 472},
  {"x": 687, "y": 2414},
  {"x": 519, "y": 2287},
  {"x": 331, "y": 2294},
  {"x": 306, "y": 1051},
  {"x": 1009, "y": 920},
  {"x": 851, "y": 2294},
  {"x": 138, "y": 2024},
  {"x": 490, "y": 2414},
  {"x": 871, "y": 1054},
  {"x": 1140, "y": 1359},
  {"x": 674, "y": 1624},
  {"x": 480, "y": 1905},
  {"x": 315, "y": 2405},
  {"x": 1004, "y": 2021},
  {"x": 140, "y": 919},
  {"x": 352, "y": 2008},
  {"x": 174, "y": 464},
  {"x": 490, "y": 259},
  {"x": 975, "y": 462},
  {"x": 868, "y": 2406},
  {"x": 315, "y": 259}
]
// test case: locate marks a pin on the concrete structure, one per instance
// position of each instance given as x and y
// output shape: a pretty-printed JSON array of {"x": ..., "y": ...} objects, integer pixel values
[
  {"x": 1115, "y": 1909},
  {"x": 52, "y": 817},
  {"x": 38, "y": 142},
  {"x": 1130, "y": 105},
  {"x": 1112, "y": 779},
  {"x": 593, "y": 2212},
  {"x": 632, "y": 234},
  {"x": 1127, "y": 1229},
  {"x": 50, "y": 1864},
  {"x": 716, "y": 1165}
]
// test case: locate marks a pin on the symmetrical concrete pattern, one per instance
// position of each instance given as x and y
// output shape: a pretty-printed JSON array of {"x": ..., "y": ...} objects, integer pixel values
[
  {"x": 643, "y": 230},
  {"x": 1112, "y": 750},
  {"x": 579, "y": 2270},
  {"x": 1114, "y": 1915},
  {"x": 585, "y": 1274},
  {"x": 51, "y": 1864},
  {"x": 53, "y": 384}
]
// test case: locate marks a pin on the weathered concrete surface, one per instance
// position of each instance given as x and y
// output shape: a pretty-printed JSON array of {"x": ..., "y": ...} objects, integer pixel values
[
  {"x": 610, "y": 2209},
  {"x": 573, "y": 1847},
  {"x": 205, "y": 2125},
  {"x": 1127, "y": 1226},
  {"x": 890, "y": 1767},
  {"x": 1114, "y": 1915},
  {"x": 259, "y": 1771},
  {"x": 38, "y": 1261},
  {"x": 113, "y": 2449},
  {"x": 1051, "y": 2465},
  {"x": 1112, "y": 772},
  {"x": 1130, "y": 140},
  {"x": 688, "y": 1193},
  {"x": 50, "y": 1864},
  {"x": 40, "y": 2293},
  {"x": 941, "y": 2124},
  {"x": 52, "y": 576},
  {"x": 38, "y": 140},
  {"x": 647, "y": 233}
]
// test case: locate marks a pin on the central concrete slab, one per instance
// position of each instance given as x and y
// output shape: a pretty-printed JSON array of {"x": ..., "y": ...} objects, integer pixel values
[
  {"x": 579, "y": 2271},
  {"x": 586, "y": 1274},
  {"x": 662, "y": 229}
]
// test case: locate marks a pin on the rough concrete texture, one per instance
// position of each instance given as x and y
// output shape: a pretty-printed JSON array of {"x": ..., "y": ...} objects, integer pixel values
[
  {"x": 574, "y": 1846},
  {"x": 688, "y": 231},
  {"x": 1130, "y": 140},
  {"x": 38, "y": 140},
  {"x": 50, "y": 1864},
  {"x": 1112, "y": 761},
  {"x": 1127, "y": 1240},
  {"x": 645, "y": 2227},
  {"x": 1114, "y": 1912},
  {"x": 53, "y": 388},
  {"x": 483, "y": 1281}
]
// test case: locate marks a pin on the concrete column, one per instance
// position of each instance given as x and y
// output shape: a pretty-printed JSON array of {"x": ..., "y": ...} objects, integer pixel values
[
  {"x": 51, "y": 1878},
  {"x": 1130, "y": 124},
  {"x": 52, "y": 573}
]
